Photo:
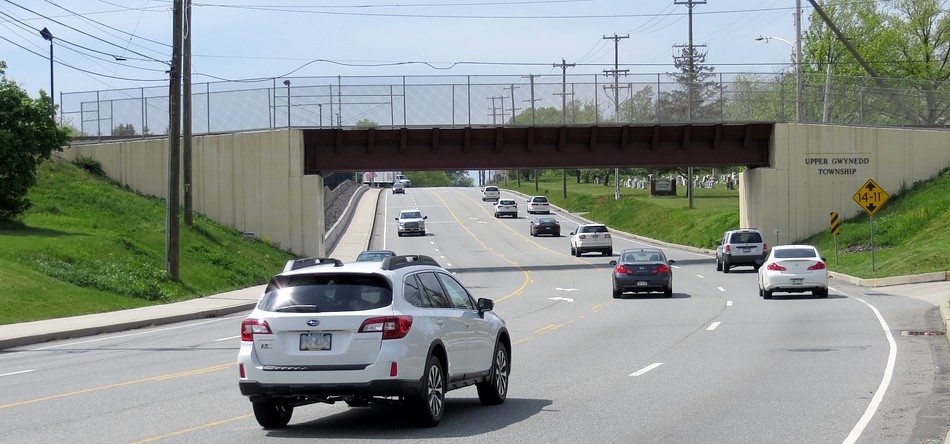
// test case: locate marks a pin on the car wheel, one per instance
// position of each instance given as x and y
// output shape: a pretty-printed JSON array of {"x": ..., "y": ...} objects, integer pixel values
[
  {"x": 423, "y": 232},
  {"x": 725, "y": 267},
  {"x": 273, "y": 414},
  {"x": 428, "y": 407},
  {"x": 821, "y": 293},
  {"x": 494, "y": 391},
  {"x": 399, "y": 233},
  {"x": 757, "y": 267},
  {"x": 617, "y": 294},
  {"x": 718, "y": 265},
  {"x": 668, "y": 292},
  {"x": 557, "y": 234},
  {"x": 578, "y": 252},
  {"x": 573, "y": 251},
  {"x": 766, "y": 294}
]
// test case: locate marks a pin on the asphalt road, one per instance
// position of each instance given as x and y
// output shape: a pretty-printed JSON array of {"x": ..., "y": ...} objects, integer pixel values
[{"x": 714, "y": 363}]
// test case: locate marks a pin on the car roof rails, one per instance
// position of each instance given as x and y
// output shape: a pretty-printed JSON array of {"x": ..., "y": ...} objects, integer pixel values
[
  {"x": 397, "y": 262},
  {"x": 296, "y": 264}
]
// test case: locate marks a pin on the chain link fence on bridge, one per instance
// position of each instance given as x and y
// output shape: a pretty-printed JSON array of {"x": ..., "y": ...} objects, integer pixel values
[{"x": 461, "y": 101}]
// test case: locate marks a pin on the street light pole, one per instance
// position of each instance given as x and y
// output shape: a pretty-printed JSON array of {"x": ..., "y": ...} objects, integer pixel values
[
  {"x": 49, "y": 36},
  {"x": 798, "y": 70}
]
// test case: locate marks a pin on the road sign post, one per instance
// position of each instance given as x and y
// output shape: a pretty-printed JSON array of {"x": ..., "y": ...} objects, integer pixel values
[
  {"x": 871, "y": 198},
  {"x": 835, "y": 231}
]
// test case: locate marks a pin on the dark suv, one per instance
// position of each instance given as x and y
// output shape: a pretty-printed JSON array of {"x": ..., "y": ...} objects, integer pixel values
[{"x": 740, "y": 247}]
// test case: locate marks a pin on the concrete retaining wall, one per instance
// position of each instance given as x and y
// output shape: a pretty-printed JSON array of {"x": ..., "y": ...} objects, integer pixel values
[
  {"x": 253, "y": 182},
  {"x": 816, "y": 169}
]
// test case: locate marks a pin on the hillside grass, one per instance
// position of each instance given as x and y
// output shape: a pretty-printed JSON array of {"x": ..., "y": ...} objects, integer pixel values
[
  {"x": 911, "y": 231},
  {"x": 89, "y": 245}
]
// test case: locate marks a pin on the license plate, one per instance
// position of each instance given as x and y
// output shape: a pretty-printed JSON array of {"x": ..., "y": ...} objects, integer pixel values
[
  {"x": 594, "y": 236},
  {"x": 642, "y": 283},
  {"x": 797, "y": 281},
  {"x": 315, "y": 341},
  {"x": 745, "y": 250}
]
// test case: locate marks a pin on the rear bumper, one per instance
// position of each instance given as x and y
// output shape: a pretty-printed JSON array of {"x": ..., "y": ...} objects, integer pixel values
[{"x": 254, "y": 389}]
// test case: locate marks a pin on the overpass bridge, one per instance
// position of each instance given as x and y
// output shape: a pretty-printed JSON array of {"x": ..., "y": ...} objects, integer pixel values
[{"x": 798, "y": 173}]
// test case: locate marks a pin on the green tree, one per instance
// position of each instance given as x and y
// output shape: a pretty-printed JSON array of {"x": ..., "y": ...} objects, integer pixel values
[
  {"x": 639, "y": 108},
  {"x": 698, "y": 96},
  {"x": 123, "y": 129},
  {"x": 366, "y": 123},
  {"x": 28, "y": 136}
]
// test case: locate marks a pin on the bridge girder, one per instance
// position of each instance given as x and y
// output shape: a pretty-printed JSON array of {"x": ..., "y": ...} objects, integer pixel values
[{"x": 373, "y": 149}]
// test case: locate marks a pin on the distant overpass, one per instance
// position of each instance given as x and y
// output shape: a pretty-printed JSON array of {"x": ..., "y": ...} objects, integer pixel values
[{"x": 597, "y": 146}]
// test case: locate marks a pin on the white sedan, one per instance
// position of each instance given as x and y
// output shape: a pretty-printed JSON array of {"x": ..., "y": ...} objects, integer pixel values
[{"x": 793, "y": 269}]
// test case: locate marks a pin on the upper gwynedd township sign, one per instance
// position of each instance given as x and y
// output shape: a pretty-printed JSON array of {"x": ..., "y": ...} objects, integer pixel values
[
  {"x": 871, "y": 197},
  {"x": 837, "y": 165}
]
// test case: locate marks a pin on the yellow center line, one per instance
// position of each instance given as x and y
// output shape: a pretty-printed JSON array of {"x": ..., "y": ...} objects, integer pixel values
[
  {"x": 121, "y": 384},
  {"x": 194, "y": 429}
]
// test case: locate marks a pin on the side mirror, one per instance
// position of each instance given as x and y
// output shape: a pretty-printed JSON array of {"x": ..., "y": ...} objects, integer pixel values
[
  {"x": 613, "y": 262},
  {"x": 671, "y": 262},
  {"x": 484, "y": 304},
  {"x": 425, "y": 217},
  {"x": 397, "y": 219}
]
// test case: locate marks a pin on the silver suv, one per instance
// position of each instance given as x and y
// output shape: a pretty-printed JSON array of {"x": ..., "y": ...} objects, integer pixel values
[
  {"x": 591, "y": 237},
  {"x": 411, "y": 222},
  {"x": 401, "y": 331},
  {"x": 740, "y": 247}
]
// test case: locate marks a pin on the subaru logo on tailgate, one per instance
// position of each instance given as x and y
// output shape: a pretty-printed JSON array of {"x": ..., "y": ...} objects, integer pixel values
[{"x": 313, "y": 322}]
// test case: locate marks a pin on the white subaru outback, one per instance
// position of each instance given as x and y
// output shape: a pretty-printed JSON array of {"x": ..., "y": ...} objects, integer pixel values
[{"x": 398, "y": 331}]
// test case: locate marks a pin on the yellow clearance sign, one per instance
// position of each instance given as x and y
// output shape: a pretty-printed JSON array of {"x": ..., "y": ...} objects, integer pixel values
[{"x": 871, "y": 197}]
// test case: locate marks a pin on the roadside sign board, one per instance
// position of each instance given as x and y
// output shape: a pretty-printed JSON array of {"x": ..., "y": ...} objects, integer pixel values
[
  {"x": 871, "y": 197},
  {"x": 835, "y": 224}
]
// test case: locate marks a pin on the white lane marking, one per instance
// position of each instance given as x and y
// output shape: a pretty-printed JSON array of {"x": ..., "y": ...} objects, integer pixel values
[
  {"x": 566, "y": 289},
  {"x": 701, "y": 276},
  {"x": 721, "y": 289},
  {"x": 227, "y": 338},
  {"x": 885, "y": 380},
  {"x": 728, "y": 303},
  {"x": 561, "y": 299},
  {"x": 713, "y": 326},
  {"x": 149, "y": 332},
  {"x": 16, "y": 373},
  {"x": 646, "y": 369}
]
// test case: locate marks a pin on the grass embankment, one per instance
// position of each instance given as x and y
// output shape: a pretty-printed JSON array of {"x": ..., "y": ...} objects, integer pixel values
[
  {"x": 89, "y": 245},
  {"x": 911, "y": 232}
]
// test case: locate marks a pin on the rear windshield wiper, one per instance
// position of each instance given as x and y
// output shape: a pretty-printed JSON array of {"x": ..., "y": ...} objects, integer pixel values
[{"x": 299, "y": 308}]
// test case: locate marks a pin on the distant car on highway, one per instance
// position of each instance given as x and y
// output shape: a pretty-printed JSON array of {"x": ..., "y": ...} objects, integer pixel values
[
  {"x": 740, "y": 247},
  {"x": 506, "y": 207},
  {"x": 374, "y": 255},
  {"x": 399, "y": 188},
  {"x": 642, "y": 270},
  {"x": 400, "y": 332},
  {"x": 538, "y": 204},
  {"x": 793, "y": 269},
  {"x": 411, "y": 222},
  {"x": 591, "y": 237},
  {"x": 545, "y": 225},
  {"x": 490, "y": 193}
]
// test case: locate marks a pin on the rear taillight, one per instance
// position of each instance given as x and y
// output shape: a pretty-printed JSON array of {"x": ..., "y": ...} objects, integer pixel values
[
  {"x": 621, "y": 269},
  {"x": 765, "y": 248},
  {"x": 817, "y": 266},
  {"x": 662, "y": 269},
  {"x": 774, "y": 267},
  {"x": 392, "y": 327},
  {"x": 606, "y": 235},
  {"x": 251, "y": 327},
  {"x": 728, "y": 248}
]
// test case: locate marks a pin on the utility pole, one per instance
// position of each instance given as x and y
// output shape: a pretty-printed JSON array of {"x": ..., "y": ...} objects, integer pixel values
[
  {"x": 514, "y": 111},
  {"x": 532, "y": 100},
  {"x": 186, "y": 116},
  {"x": 616, "y": 72},
  {"x": 172, "y": 245},
  {"x": 494, "y": 109},
  {"x": 690, "y": 88},
  {"x": 564, "y": 65}
]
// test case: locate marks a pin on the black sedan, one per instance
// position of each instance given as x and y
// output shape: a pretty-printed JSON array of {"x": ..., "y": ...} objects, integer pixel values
[
  {"x": 545, "y": 225},
  {"x": 642, "y": 270}
]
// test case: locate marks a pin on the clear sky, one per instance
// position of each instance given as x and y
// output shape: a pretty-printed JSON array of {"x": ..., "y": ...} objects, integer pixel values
[{"x": 247, "y": 39}]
